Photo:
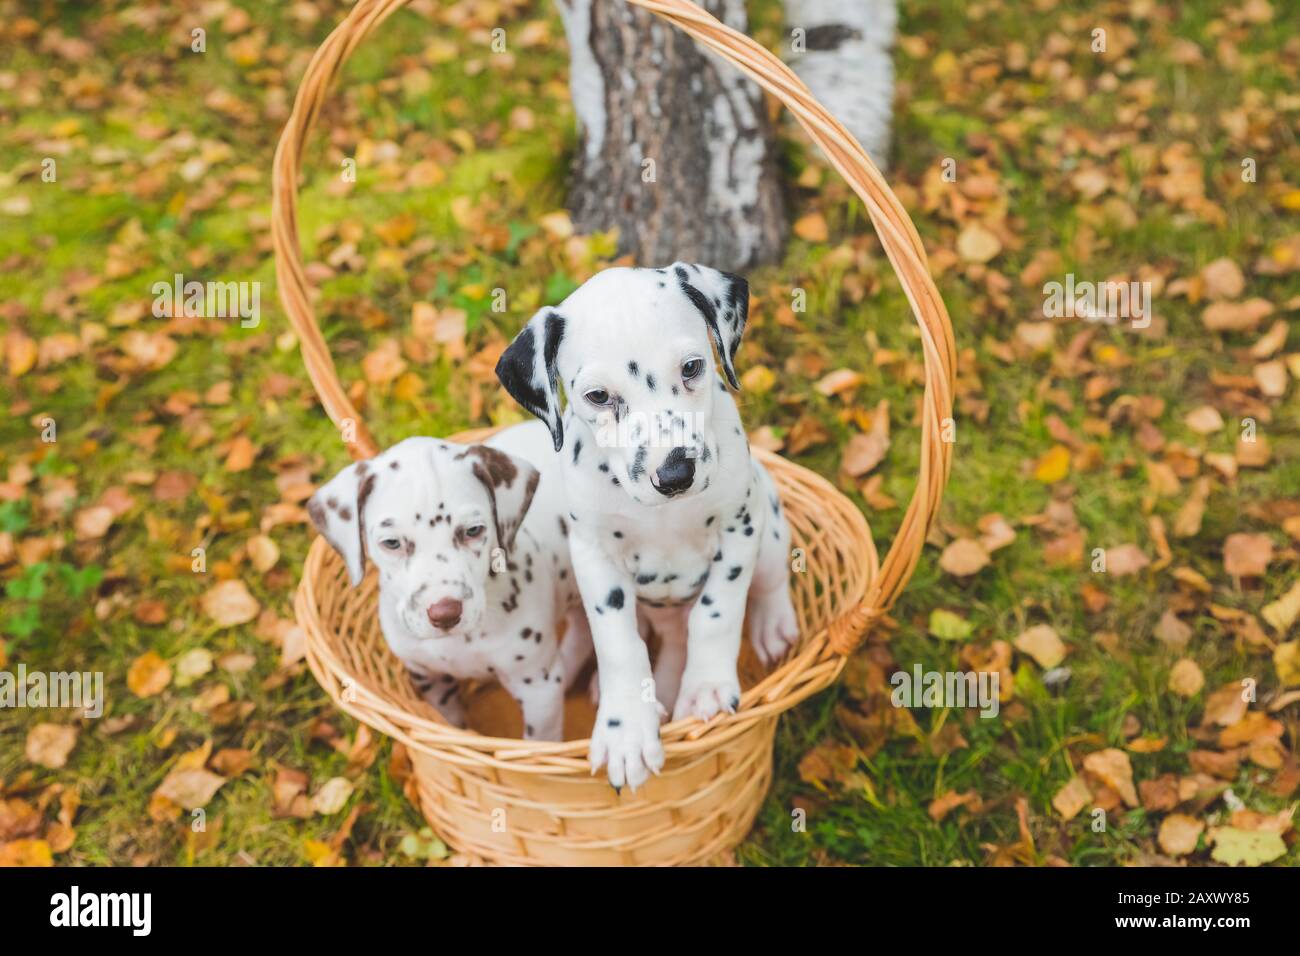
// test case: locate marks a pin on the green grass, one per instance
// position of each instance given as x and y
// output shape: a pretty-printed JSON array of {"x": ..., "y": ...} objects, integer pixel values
[{"x": 140, "y": 208}]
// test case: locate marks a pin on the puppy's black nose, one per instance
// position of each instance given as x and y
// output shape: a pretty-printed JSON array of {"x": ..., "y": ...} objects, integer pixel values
[
  {"x": 445, "y": 614},
  {"x": 675, "y": 474}
]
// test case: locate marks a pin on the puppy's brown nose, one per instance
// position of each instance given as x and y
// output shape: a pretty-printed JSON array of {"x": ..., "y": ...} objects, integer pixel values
[{"x": 445, "y": 614}]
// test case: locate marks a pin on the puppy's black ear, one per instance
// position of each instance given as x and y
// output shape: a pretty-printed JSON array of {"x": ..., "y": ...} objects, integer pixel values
[
  {"x": 338, "y": 512},
  {"x": 723, "y": 300},
  {"x": 510, "y": 483},
  {"x": 527, "y": 370}
]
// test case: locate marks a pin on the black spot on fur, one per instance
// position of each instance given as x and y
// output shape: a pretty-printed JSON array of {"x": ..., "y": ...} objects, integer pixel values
[{"x": 615, "y": 599}]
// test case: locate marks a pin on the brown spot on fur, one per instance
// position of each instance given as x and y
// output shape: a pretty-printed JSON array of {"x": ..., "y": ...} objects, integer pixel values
[
  {"x": 506, "y": 530},
  {"x": 496, "y": 465},
  {"x": 367, "y": 486},
  {"x": 317, "y": 514}
]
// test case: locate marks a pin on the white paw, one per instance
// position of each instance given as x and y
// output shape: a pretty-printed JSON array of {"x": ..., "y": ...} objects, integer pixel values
[
  {"x": 625, "y": 739},
  {"x": 773, "y": 627},
  {"x": 707, "y": 698}
]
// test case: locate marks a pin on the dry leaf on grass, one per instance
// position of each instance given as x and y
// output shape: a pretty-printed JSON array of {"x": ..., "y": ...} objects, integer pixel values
[
  {"x": 1236, "y": 316},
  {"x": 950, "y": 801},
  {"x": 1222, "y": 279},
  {"x": 241, "y": 454},
  {"x": 26, "y": 853},
  {"x": 1053, "y": 466},
  {"x": 811, "y": 227},
  {"x": 1172, "y": 631},
  {"x": 1282, "y": 613},
  {"x": 148, "y": 675},
  {"x": 1272, "y": 378},
  {"x": 1226, "y": 706},
  {"x": 1187, "y": 523},
  {"x": 995, "y": 532},
  {"x": 964, "y": 557},
  {"x": 1247, "y": 555},
  {"x": 1205, "y": 420},
  {"x": 1112, "y": 767},
  {"x": 384, "y": 364},
  {"x": 48, "y": 745},
  {"x": 263, "y": 552},
  {"x": 1185, "y": 678},
  {"x": 1042, "y": 644},
  {"x": 975, "y": 243},
  {"x": 229, "y": 604},
  {"x": 1125, "y": 559},
  {"x": 1237, "y": 847},
  {"x": 190, "y": 787},
  {"x": 92, "y": 523},
  {"x": 1179, "y": 833},
  {"x": 1072, "y": 798},
  {"x": 192, "y": 665},
  {"x": 332, "y": 796}
]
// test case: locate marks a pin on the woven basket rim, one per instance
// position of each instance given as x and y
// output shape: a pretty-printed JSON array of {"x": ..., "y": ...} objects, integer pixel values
[{"x": 820, "y": 657}]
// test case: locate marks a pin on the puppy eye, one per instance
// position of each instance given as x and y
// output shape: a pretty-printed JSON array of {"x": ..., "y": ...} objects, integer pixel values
[
  {"x": 474, "y": 531},
  {"x": 598, "y": 397},
  {"x": 390, "y": 544},
  {"x": 692, "y": 369}
]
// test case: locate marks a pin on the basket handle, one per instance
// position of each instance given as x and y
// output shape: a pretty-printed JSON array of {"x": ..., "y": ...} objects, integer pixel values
[{"x": 898, "y": 237}]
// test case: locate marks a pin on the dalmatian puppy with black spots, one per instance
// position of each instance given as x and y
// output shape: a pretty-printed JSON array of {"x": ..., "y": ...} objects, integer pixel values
[
  {"x": 474, "y": 572},
  {"x": 668, "y": 515}
]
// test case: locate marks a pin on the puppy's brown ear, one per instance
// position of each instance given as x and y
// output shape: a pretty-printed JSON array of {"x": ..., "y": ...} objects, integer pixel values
[
  {"x": 510, "y": 482},
  {"x": 338, "y": 512},
  {"x": 527, "y": 370},
  {"x": 722, "y": 299}
]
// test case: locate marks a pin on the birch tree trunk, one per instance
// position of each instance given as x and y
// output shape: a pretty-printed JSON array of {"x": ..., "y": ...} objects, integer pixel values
[
  {"x": 675, "y": 148},
  {"x": 841, "y": 49}
]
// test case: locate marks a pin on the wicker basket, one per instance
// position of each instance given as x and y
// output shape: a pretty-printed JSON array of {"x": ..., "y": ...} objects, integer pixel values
[{"x": 513, "y": 801}]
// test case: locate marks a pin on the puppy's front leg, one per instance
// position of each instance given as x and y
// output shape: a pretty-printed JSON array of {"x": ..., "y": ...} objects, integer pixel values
[
  {"x": 440, "y": 691},
  {"x": 710, "y": 683},
  {"x": 625, "y": 737},
  {"x": 541, "y": 698}
]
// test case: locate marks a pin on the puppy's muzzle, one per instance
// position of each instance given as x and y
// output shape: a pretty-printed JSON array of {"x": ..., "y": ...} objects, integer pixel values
[
  {"x": 445, "y": 614},
  {"x": 675, "y": 474}
]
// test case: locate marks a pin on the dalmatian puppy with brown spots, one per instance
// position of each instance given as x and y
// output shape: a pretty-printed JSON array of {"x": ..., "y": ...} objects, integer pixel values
[
  {"x": 669, "y": 516},
  {"x": 474, "y": 572}
]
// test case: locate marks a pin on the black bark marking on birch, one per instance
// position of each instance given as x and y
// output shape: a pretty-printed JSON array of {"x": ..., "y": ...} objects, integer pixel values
[{"x": 716, "y": 197}]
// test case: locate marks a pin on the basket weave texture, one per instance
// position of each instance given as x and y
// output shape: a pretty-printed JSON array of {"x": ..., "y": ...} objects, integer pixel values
[{"x": 526, "y": 802}]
